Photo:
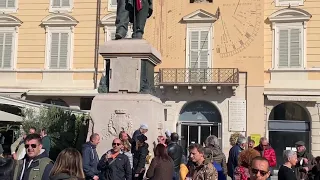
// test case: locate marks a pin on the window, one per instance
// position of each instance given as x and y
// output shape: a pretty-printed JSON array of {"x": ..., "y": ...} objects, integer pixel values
[
  {"x": 60, "y": 5},
  {"x": 59, "y": 56},
  {"x": 8, "y": 5},
  {"x": 289, "y": 3},
  {"x": 199, "y": 54},
  {"x": 112, "y": 5},
  {"x": 6, "y": 49},
  {"x": 289, "y": 37},
  {"x": 289, "y": 47},
  {"x": 59, "y": 40}
]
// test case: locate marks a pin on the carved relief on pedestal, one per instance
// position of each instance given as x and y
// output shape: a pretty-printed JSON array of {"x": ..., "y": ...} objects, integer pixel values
[{"x": 119, "y": 121}]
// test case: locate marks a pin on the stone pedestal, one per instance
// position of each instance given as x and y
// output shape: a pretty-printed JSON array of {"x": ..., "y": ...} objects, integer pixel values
[{"x": 130, "y": 72}]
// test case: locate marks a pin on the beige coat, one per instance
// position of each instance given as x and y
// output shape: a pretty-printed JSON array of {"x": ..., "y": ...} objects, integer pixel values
[{"x": 21, "y": 151}]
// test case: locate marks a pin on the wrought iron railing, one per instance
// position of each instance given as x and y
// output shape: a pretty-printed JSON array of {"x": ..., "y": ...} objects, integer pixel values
[{"x": 208, "y": 76}]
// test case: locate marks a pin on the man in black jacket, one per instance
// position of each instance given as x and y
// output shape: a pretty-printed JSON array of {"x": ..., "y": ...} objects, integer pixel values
[
  {"x": 90, "y": 157},
  {"x": 175, "y": 151},
  {"x": 114, "y": 165}
]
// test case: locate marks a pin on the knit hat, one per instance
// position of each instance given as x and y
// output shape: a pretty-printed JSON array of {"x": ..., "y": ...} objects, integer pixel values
[
  {"x": 142, "y": 138},
  {"x": 168, "y": 133},
  {"x": 143, "y": 126}
]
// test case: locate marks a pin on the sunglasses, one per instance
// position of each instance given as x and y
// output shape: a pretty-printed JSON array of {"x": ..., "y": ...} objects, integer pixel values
[
  {"x": 116, "y": 144},
  {"x": 32, "y": 145},
  {"x": 255, "y": 171}
]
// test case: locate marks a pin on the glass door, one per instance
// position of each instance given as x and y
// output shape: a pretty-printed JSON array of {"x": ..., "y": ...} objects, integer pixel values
[{"x": 197, "y": 133}]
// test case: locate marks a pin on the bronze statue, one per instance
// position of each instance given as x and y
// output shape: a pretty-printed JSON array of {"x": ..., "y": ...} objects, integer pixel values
[{"x": 134, "y": 11}]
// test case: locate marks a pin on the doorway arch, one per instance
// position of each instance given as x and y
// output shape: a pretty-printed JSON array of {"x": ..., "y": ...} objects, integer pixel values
[
  {"x": 291, "y": 122},
  {"x": 197, "y": 121}
]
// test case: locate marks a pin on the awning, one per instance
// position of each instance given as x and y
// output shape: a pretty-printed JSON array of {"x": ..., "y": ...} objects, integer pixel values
[
  {"x": 89, "y": 92},
  {"x": 294, "y": 98},
  {"x": 4, "y": 116}
]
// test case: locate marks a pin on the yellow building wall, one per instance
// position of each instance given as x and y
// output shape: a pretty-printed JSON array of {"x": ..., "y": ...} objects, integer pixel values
[
  {"x": 312, "y": 41},
  {"x": 166, "y": 33},
  {"x": 32, "y": 37}
]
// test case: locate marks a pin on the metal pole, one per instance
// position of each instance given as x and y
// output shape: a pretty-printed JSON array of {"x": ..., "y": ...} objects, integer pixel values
[
  {"x": 134, "y": 17},
  {"x": 96, "y": 48}
]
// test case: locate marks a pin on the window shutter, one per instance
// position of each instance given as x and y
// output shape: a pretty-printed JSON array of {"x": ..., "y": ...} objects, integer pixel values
[
  {"x": 283, "y": 48},
  {"x": 64, "y": 48},
  {"x": 56, "y": 3},
  {"x": 54, "y": 51},
  {"x": 65, "y": 3},
  {"x": 3, "y": 4},
  {"x": 11, "y": 3},
  {"x": 204, "y": 51},
  {"x": 295, "y": 48},
  {"x": 7, "y": 54},
  {"x": 194, "y": 49}
]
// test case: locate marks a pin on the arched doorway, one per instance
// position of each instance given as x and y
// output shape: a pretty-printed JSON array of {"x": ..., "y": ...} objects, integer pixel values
[
  {"x": 288, "y": 123},
  {"x": 197, "y": 121}
]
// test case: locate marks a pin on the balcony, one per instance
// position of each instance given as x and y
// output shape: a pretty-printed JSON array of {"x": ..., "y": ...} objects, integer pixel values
[{"x": 197, "y": 77}]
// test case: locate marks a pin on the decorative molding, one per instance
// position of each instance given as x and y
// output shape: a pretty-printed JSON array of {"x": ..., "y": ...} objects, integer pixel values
[
  {"x": 59, "y": 19},
  {"x": 289, "y": 3},
  {"x": 199, "y": 16},
  {"x": 109, "y": 19},
  {"x": 9, "y": 20},
  {"x": 290, "y": 15}
]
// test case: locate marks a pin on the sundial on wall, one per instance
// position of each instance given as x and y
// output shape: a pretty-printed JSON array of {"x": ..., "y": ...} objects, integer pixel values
[{"x": 240, "y": 21}]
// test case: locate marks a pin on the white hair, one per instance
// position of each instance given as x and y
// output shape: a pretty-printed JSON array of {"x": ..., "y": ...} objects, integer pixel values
[
  {"x": 241, "y": 140},
  {"x": 212, "y": 140},
  {"x": 288, "y": 154}
]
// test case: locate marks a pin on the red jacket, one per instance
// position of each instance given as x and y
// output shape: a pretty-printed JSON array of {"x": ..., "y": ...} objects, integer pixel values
[{"x": 269, "y": 154}]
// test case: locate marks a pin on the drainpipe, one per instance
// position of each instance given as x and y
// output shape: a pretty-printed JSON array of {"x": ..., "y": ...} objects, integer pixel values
[{"x": 96, "y": 45}]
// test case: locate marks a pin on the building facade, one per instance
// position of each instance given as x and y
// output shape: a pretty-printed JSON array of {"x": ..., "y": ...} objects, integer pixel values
[
  {"x": 211, "y": 78},
  {"x": 248, "y": 67},
  {"x": 291, "y": 68}
]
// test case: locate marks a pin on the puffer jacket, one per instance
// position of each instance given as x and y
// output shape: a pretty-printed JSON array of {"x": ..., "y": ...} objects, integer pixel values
[
  {"x": 219, "y": 157},
  {"x": 269, "y": 154}
]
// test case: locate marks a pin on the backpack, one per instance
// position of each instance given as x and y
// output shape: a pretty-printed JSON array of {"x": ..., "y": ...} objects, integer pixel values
[{"x": 221, "y": 175}]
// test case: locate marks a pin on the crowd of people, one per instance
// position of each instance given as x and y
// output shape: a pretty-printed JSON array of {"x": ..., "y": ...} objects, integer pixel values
[{"x": 127, "y": 160}]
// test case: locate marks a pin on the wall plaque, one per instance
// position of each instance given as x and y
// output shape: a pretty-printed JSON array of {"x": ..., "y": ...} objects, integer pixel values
[{"x": 237, "y": 115}]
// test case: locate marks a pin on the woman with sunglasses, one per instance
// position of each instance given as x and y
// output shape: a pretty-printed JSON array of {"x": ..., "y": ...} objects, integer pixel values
[
  {"x": 241, "y": 172},
  {"x": 68, "y": 166}
]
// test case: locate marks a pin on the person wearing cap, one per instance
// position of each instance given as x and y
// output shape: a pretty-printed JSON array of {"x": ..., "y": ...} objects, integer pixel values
[
  {"x": 142, "y": 130},
  {"x": 305, "y": 161},
  {"x": 139, "y": 157}
]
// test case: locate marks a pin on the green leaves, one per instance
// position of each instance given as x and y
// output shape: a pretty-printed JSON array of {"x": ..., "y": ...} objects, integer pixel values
[{"x": 64, "y": 127}]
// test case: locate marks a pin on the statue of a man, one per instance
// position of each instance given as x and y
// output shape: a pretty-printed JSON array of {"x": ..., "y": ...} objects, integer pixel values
[{"x": 134, "y": 11}]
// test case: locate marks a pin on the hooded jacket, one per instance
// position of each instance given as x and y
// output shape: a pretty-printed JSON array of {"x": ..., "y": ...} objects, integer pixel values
[
  {"x": 90, "y": 160},
  {"x": 63, "y": 176}
]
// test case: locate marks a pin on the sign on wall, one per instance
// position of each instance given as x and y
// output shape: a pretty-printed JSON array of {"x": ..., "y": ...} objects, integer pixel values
[{"x": 237, "y": 115}]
